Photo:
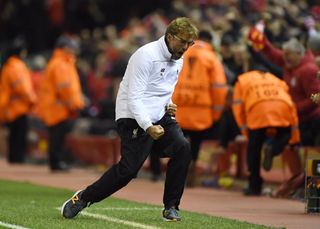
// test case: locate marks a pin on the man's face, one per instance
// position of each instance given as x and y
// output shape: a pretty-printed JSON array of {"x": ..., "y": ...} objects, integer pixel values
[
  {"x": 226, "y": 51},
  {"x": 179, "y": 44},
  {"x": 292, "y": 59}
]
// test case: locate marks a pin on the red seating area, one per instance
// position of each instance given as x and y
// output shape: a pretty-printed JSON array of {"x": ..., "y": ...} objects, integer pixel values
[
  {"x": 99, "y": 150},
  {"x": 233, "y": 161},
  {"x": 102, "y": 150}
]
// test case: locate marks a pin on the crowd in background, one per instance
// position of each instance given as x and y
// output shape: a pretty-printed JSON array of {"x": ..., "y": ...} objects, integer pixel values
[
  {"x": 40, "y": 22},
  {"x": 106, "y": 43}
]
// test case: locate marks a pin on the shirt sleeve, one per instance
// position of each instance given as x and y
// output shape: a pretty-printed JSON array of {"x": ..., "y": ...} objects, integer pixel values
[
  {"x": 273, "y": 54},
  {"x": 139, "y": 69}
]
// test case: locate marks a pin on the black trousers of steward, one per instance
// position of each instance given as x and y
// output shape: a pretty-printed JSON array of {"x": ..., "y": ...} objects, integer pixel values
[
  {"x": 17, "y": 139},
  {"x": 257, "y": 138}
]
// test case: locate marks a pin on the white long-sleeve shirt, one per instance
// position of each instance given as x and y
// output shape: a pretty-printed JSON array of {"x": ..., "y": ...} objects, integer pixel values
[{"x": 148, "y": 84}]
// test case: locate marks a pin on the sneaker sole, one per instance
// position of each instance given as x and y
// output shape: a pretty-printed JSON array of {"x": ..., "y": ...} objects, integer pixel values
[
  {"x": 170, "y": 220},
  {"x": 64, "y": 204}
]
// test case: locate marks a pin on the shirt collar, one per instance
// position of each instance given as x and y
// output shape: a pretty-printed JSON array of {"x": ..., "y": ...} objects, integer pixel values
[{"x": 164, "y": 48}]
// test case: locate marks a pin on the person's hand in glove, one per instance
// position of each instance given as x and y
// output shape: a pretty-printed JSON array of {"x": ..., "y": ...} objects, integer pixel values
[
  {"x": 315, "y": 98},
  {"x": 256, "y": 36}
]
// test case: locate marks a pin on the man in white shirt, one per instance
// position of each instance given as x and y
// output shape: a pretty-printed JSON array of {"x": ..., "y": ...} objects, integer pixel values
[{"x": 146, "y": 122}]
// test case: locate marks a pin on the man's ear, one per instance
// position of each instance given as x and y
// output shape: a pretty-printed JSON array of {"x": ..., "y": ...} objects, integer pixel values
[{"x": 169, "y": 36}]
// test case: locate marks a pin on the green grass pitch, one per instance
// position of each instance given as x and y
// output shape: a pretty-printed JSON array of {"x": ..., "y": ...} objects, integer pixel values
[{"x": 24, "y": 205}]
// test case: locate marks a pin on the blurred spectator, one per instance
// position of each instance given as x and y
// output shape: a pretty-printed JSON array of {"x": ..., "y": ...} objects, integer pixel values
[
  {"x": 263, "y": 108},
  {"x": 236, "y": 58},
  {"x": 314, "y": 46},
  {"x": 100, "y": 84},
  {"x": 17, "y": 98},
  {"x": 156, "y": 23},
  {"x": 226, "y": 53},
  {"x": 56, "y": 17},
  {"x": 200, "y": 95},
  {"x": 61, "y": 98},
  {"x": 38, "y": 64}
]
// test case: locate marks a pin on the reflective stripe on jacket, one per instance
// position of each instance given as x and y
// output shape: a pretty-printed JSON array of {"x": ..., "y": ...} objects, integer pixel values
[
  {"x": 17, "y": 95},
  {"x": 201, "y": 90},
  {"x": 60, "y": 90}
]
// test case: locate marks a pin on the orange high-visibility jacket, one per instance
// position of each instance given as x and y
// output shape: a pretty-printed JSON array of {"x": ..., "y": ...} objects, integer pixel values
[
  {"x": 60, "y": 92},
  {"x": 263, "y": 100},
  {"x": 201, "y": 90},
  {"x": 16, "y": 92}
]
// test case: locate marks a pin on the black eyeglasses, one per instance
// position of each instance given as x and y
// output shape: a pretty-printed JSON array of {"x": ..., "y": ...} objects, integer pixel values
[{"x": 183, "y": 41}]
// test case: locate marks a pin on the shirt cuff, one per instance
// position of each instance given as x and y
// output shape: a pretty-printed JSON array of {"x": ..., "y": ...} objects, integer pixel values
[{"x": 146, "y": 125}]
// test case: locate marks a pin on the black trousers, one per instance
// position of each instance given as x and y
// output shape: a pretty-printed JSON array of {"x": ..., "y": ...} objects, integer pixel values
[
  {"x": 18, "y": 131},
  {"x": 57, "y": 150},
  {"x": 197, "y": 137},
  {"x": 136, "y": 145},
  {"x": 228, "y": 129},
  {"x": 155, "y": 164},
  {"x": 310, "y": 132},
  {"x": 256, "y": 139}
]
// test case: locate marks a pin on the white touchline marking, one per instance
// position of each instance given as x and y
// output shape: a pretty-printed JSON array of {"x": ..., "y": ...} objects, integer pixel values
[
  {"x": 129, "y": 209},
  {"x": 115, "y": 220},
  {"x": 13, "y": 226}
]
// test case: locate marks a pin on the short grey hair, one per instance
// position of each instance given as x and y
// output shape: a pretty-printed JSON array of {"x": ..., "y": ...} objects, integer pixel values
[{"x": 293, "y": 45}]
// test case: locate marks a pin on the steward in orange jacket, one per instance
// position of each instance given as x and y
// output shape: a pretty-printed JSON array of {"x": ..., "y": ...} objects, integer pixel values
[
  {"x": 17, "y": 95},
  {"x": 61, "y": 98},
  {"x": 201, "y": 89},
  {"x": 263, "y": 108},
  {"x": 200, "y": 95},
  {"x": 17, "y": 98},
  {"x": 60, "y": 89}
]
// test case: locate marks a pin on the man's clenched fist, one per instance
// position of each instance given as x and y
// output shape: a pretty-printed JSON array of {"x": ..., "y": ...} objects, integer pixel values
[{"x": 155, "y": 131}]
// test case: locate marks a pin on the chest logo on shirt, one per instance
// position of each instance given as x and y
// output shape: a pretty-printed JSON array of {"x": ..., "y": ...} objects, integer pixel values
[
  {"x": 293, "y": 81},
  {"x": 135, "y": 133},
  {"x": 162, "y": 71}
]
